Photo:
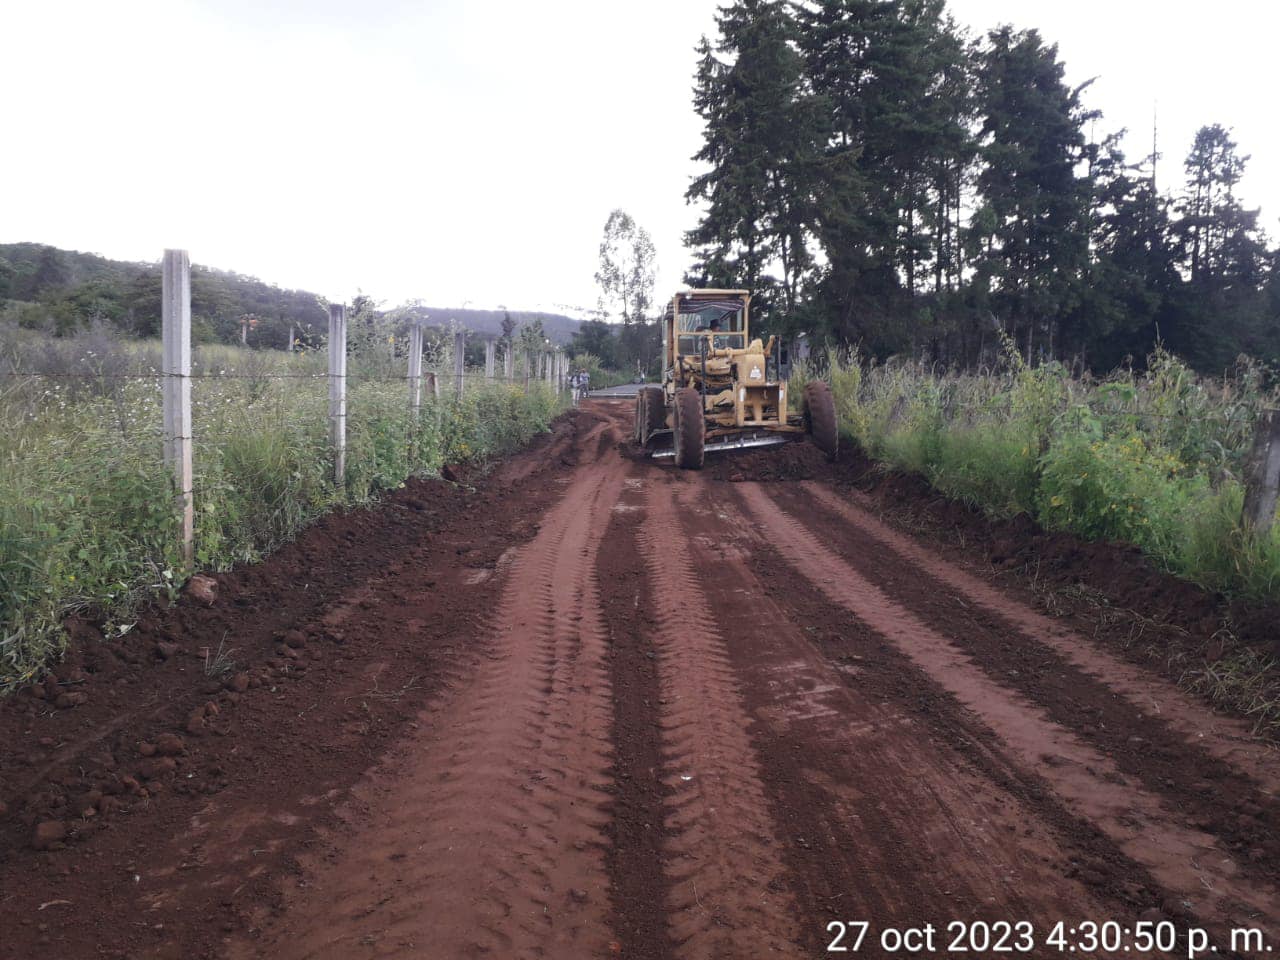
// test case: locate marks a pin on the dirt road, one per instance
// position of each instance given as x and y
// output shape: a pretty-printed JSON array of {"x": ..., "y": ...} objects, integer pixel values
[{"x": 604, "y": 708}]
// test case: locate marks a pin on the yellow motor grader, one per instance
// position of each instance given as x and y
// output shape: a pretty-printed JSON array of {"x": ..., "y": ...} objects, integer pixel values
[{"x": 721, "y": 390}]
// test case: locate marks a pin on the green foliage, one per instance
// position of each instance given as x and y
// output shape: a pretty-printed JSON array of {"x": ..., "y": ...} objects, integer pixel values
[
  {"x": 86, "y": 505},
  {"x": 874, "y": 176},
  {"x": 761, "y": 146},
  {"x": 986, "y": 466},
  {"x": 1116, "y": 488},
  {"x": 1149, "y": 459}
]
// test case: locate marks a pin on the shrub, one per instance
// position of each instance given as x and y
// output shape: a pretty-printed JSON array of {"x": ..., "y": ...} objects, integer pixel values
[{"x": 1150, "y": 459}]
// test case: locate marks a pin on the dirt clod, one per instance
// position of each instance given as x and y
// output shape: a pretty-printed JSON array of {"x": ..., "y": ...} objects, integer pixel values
[
  {"x": 156, "y": 767},
  {"x": 203, "y": 588},
  {"x": 170, "y": 745},
  {"x": 195, "y": 723},
  {"x": 48, "y": 833}
]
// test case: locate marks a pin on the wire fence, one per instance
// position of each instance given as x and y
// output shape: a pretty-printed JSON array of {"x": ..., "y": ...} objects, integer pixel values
[{"x": 105, "y": 498}]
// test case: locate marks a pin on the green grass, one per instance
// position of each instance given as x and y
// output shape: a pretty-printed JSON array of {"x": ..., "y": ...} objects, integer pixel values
[
  {"x": 86, "y": 506},
  {"x": 1152, "y": 459}
]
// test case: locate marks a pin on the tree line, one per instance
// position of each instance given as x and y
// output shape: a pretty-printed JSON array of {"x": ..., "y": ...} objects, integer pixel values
[
  {"x": 876, "y": 175},
  {"x": 61, "y": 292}
]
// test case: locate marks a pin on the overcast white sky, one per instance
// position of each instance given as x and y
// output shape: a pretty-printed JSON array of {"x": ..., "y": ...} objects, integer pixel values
[{"x": 459, "y": 151}]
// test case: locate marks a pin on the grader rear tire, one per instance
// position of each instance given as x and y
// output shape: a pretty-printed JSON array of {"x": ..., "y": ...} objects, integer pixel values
[
  {"x": 690, "y": 429},
  {"x": 653, "y": 410},
  {"x": 820, "y": 417}
]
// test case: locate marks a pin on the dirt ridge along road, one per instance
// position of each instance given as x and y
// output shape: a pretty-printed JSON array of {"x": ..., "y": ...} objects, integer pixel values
[
  {"x": 486, "y": 835},
  {"x": 1227, "y": 738},
  {"x": 1172, "y": 742},
  {"x": 1187, "y": 861}
]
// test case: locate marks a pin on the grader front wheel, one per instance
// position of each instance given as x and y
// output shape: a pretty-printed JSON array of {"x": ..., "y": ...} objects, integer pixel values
[
  {"x": 690, "y": 429},
  {"x": 820, "y": 417}
]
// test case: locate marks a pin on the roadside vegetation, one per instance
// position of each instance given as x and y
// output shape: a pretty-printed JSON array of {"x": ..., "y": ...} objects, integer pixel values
[
  {"x": 86, "y": 504},
  {"x": 1152, "y": 457}
]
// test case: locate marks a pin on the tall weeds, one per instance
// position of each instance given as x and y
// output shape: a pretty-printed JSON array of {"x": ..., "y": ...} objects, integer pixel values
[
  {"x": 1152, "y": 458},
  {"x": 86, "y": 506}
]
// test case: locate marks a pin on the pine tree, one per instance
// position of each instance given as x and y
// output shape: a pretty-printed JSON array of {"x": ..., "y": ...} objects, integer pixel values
[
  {"x": 895, "y": 88},
  {"x": 1132, "y": 273},
  {"x": 759, "y": 148},
  {"x": 1031, "y": 238},
  {"x": 1223, "y": 307}
]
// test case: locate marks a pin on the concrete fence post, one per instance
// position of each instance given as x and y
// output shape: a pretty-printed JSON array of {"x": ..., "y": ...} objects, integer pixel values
[
  {"x": 490, "y": 359},
  {"x": 338, "y": 389},
  {"x": 415, "y": 371},
  {"x": 175, "y": 320},
  {"x": 459, "y": 360},
  {"x": 1262, "y": 475}
]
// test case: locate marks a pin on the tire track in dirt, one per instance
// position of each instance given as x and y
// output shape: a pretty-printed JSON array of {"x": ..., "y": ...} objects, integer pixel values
[
  {"x": 486, "y": 835},
  {"x": 877, "y": 818},
  {"x": 638, "y": 885},
  {"x": 1226, "y": 738},
  {"x": 1155, "y": 748},
  {"x": 1189, "y": 863},
  {"x": 726, "y": 896}
]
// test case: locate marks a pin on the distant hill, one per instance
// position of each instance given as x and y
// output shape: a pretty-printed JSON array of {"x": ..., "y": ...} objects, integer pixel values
[{"x": 62, "y": 290}]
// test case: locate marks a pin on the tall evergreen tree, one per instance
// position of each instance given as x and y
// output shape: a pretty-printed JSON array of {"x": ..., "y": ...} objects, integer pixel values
[
  {"x": 1132, "y": 274},
  {"x": 758, "y": 146},
  {"x": 893, "y": 83},
  {"x": 882, "y": 180},
  {"x": 1224, "y": 258},
  {"x": 1031, "y": 237}
]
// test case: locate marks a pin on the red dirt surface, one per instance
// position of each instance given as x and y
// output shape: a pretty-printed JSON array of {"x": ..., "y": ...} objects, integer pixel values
[{"x": 588, "y": 705}]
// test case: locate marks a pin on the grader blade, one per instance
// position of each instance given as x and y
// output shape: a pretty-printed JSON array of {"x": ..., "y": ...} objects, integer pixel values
[{"x": 729, "y": 443}]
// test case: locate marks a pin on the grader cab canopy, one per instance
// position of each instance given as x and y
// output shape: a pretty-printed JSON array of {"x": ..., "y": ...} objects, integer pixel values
[{"x": 721, "y": 389}]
